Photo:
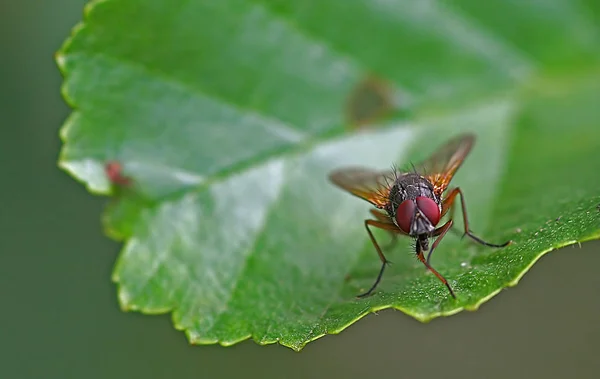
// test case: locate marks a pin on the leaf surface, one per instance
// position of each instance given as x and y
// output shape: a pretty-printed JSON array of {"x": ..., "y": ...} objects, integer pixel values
[{"x": 229, "y": 115}]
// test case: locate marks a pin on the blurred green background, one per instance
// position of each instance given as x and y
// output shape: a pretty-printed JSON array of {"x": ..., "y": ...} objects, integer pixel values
[{"x": 60, "y": 317}]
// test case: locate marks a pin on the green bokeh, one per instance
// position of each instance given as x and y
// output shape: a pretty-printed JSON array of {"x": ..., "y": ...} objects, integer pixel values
[{"x": 60, "y": 316}]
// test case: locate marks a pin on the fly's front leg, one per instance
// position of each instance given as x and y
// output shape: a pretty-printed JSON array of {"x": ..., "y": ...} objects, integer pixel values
[
  {"x": 383, "y": 217},
  {"x": 434, "y": 271},
  {"x": 441, "y": 232},
  {"x": 385, "y": 226}
]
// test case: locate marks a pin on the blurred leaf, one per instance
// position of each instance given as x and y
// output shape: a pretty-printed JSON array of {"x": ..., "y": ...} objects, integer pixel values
[{"x": 228, "y": 116}]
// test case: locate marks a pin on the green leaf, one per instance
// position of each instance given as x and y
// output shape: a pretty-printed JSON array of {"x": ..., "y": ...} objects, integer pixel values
[{"x": 228, "y": 115}]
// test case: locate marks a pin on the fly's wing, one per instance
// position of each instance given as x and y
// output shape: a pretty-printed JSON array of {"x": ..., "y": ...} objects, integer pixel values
[
  {"x": 370, "y": 185},
  {"x": 440, "y": 167}
]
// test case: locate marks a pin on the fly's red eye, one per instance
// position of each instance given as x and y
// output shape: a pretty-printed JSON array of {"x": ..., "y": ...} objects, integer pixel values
[
  {"x": 429, "y": 208},
  {"x": 404, "y": 215}
]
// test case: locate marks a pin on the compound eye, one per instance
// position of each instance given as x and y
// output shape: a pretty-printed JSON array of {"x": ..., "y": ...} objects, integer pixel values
[
  {"x": 404, "y": 215},
  {"x": 429, "y": 208}
]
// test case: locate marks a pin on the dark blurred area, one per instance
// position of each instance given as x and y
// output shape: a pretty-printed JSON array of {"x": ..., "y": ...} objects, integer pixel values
[{"x": 60, "y": 317}]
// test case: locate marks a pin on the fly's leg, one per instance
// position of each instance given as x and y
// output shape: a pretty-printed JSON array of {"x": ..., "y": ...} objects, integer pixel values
[
  {"x": 441, "y": 232},
  {"x": 437, "y": 274},
  {"x": 384, "y": 261},
  {"x": 383, "y": 217},
  {"x": 448, "y": 203}
]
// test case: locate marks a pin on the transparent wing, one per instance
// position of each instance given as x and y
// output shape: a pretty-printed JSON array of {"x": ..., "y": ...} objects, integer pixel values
[
  {"x": 370, "y": 185},
  {"x": 440, "y": 167}
]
